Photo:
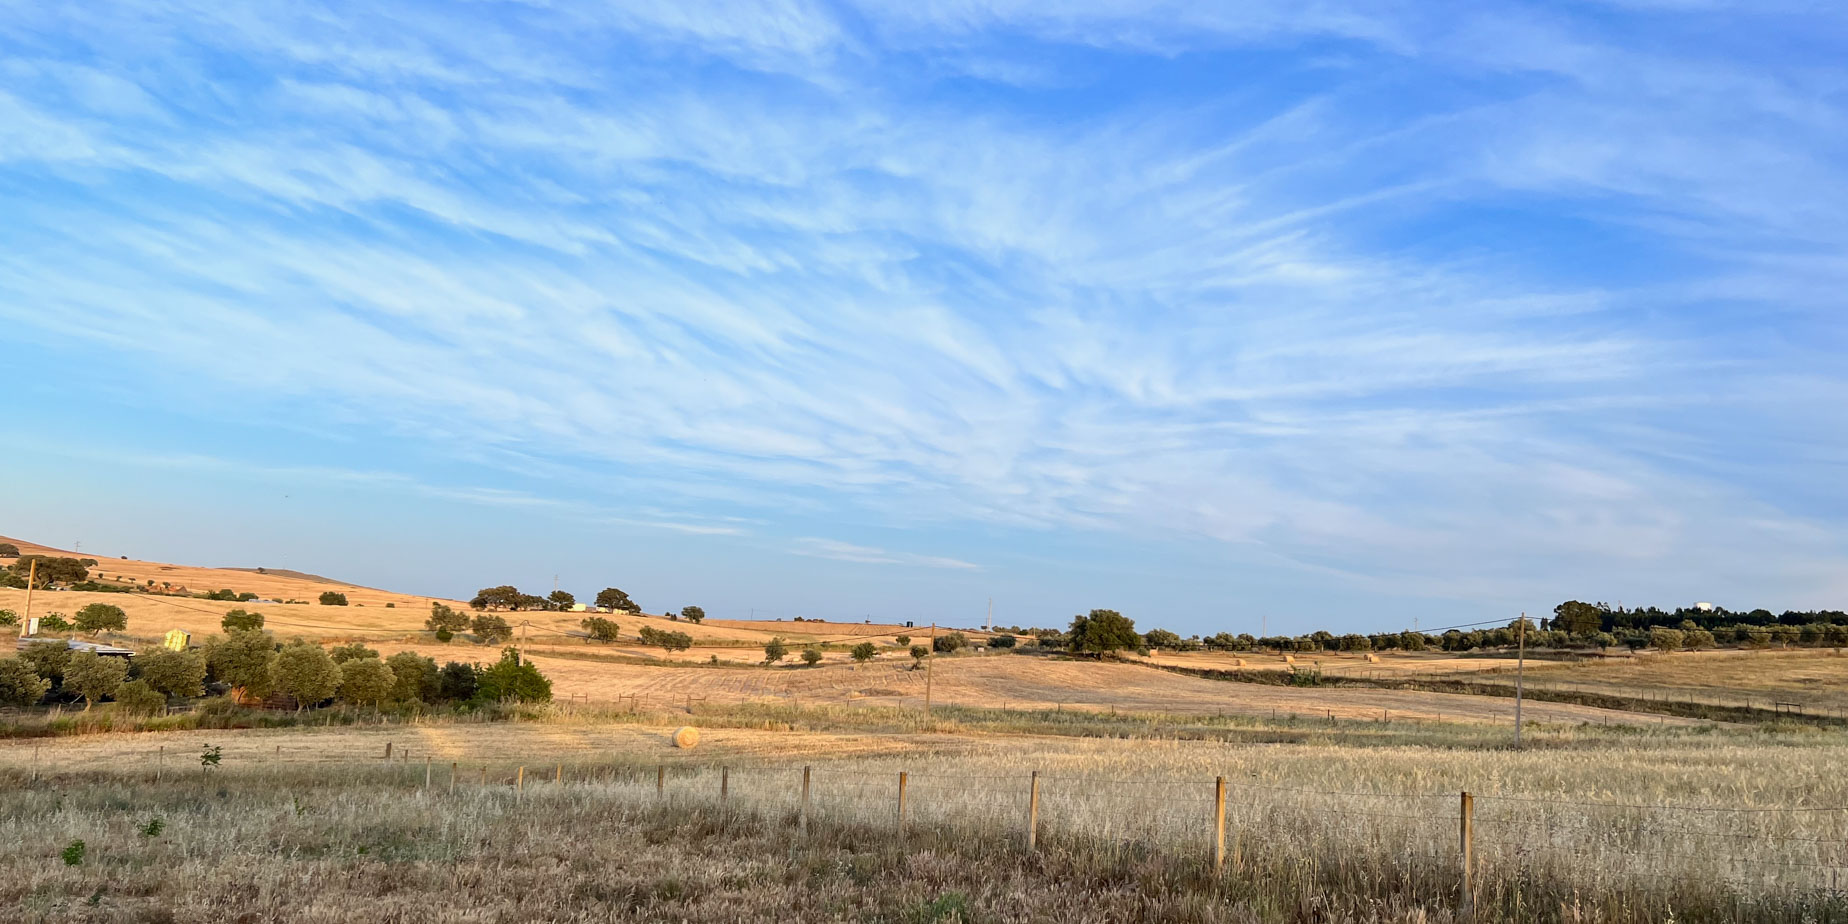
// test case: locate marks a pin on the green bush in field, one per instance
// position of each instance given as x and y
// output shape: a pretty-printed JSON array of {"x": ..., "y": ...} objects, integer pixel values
[
  {"x": 865, "y": 651},
  {"x": 241, "y": 621},
  {"x": 600, "y": 629},
  {"x": 365, "y": 682},
  {"x": 306, "y": 673},
  {"x": 20, "y": 684},
  {"x": 811, "y": 655},
  {"x": 333, "y": 598},
  {"x": 94, "y": 677},
  {"x": 172, "y": 673},
  {"x": 136, "y": 697},
  {"x": 99, "y": 616}
]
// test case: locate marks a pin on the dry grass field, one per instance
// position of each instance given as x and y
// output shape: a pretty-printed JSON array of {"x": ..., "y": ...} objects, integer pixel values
[{"x": 312, "y": 825}]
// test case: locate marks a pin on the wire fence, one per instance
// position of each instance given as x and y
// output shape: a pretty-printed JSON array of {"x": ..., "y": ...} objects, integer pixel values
[{"x": 1435, "y": 843}]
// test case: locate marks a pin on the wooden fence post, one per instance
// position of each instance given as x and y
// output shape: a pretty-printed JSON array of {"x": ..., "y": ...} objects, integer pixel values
[
  {"x": 660, "y": 779},
  {"x": 902, "y": 779},
  {"x": 1033, "y": 814},
  {"x": 802, "y": 813},
  {"x": 724, "y": 785},
  {"x": 160, "y": 762},
  {"x": 426, "y": 772},
  {"x": 559, "y": 777},
  {"x": 452, "y": 775},
  {"x": 1466, "y": 848},
  {"x": 388, "y": 752},
  {"x": 519, "y": 783},
  {"x": 1219, "y": 823},
  {"x": 484, "y": 774}
]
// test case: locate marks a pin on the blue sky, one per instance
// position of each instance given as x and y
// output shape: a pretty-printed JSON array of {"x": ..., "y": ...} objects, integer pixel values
[{"x": 1330, "y": 316}]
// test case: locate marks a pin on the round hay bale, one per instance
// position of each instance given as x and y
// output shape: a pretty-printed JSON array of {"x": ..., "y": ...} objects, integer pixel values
[{"x": 686, "y": 737}]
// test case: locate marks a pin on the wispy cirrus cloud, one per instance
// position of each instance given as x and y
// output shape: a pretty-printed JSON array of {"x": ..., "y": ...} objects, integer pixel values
[{"x": 1369, "y": 291}]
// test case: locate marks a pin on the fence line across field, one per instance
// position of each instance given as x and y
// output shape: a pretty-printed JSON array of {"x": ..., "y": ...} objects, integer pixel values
[{"x": 1629, "y": 846}]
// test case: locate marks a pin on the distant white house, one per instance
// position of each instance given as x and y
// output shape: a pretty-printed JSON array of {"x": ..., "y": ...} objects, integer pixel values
[{"x": 1704, "y": 606}]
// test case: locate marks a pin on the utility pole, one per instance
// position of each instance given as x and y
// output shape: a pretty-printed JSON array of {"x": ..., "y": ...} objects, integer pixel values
[
  {"x": 929, "y": 658},
  {"x": 1520, "y": 669},
  {"x": 25, "y": 625},
  {"x": 991, "y": 614}
]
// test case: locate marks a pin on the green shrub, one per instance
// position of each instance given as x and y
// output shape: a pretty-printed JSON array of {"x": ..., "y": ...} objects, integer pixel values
[
  {"x": 99, "y": 616},
  {"x": 775, "y": 650},
  {"x": 600, "y": 629},
  {"x": 20, "y": 683},
  {"x": 241, "y": 621},
  {"x": 305, "y": 673},
  {"x": 949, "y": 642},
  {"x": 513, "y": 680},
  {"x": 333, "y": 598},
  {"x": 365, "y": 682},
  {"x": 94, "y": 677},
  {"x": 919, "y": 653},
  {"x": 172, "y": 673},
  {"x": 865, "y": 651},
  {"x": 242, "y": 661},
  {"x": 136, "y": 697},
  {"x": 351, "y": 651},
  {"x": 666, "y": 638},
  {"x": 811, "y": 655},
  {"x": 54, "y": 622},
  {"x": 415, "y": 678},
  {"x": 491, "y": 630},
  {"x": 1001, "y": 641}
]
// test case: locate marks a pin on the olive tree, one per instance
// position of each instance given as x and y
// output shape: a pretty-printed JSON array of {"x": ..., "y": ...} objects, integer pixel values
[
  {"x": 242, "y": 660},
  {"x": 305, "y": 672},
  {"x": 366, "y": 682},
  {"x": 99, "y": 616},
  {"x": 172, "y": 673},
  {"x": 93, "y": 676},
  {"x": 864, "y": 652},
  {"x": 20, "y": 684}
]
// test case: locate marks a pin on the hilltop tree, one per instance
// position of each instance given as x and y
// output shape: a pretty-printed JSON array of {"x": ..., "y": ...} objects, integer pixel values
[
  {"x": 306, "y": 673},
  {"x": 1578, "y": 618},
  {"x": 241, "y": 621},
  {"x": 561, "y": 600},
  {"x": 172, "y": 673},
  {"x": 616, "y": 601},
  {"x": 51, "y": 570},
  {"x": 242, "y": 660},
  {"x": 1103, "y": 632},
  {"x": 491, "y": 630},
  {"x": 692, "y": 614},
  {"x": 365, "y": 682},
  {"x": 8, "y": 550},
  {"x": 99, "y": 616},
  {"x": 775, "y": 650},
  {"x": 1161, "y": 638},
  {"x": 444, "y": 618},
  {"x": 20, "y": 685},
  {"x": 864, "y": 652},
  {"x": 93, "y": 676},
  {"x": 333, "y": 598},
  {"x": 505, "y": 596},
  {"x": 668, "y": 639},
  {"x": 599, "y": 628}
]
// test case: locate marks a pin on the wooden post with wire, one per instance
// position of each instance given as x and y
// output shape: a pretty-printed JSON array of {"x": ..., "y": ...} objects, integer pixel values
[
  {"x": 1520, "y": 670},
  {"x": 1219, "y": 823},
  {"x": 1466, "y": 850},
  {"x": 519, "y": 783},
  {"x": 902, "y": 778},
  {"x": 660, "y": 779},
  {"x": 426, "y": 772},
  {"x": 802, "y": 812},
  {"x": 1033, "y": 814},
  {"x": 724, "y": 785},
  {"x": 559, "y": 776},
  {"x": 453, "y": 769},
  {"x": 25, "y": 624},
  {"x": 927, "y": 660},
  {"x": 388, "y": 752}
]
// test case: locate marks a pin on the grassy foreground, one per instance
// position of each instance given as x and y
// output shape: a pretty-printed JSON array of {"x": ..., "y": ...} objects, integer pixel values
[{"x": 310, "y": 824}]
